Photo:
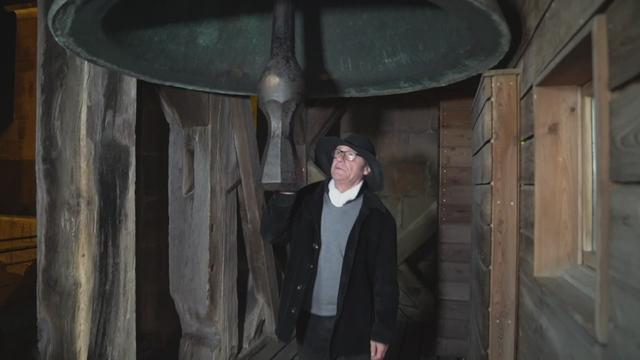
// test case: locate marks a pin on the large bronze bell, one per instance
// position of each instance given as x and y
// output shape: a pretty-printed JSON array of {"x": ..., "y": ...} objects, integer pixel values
[{"x": 346, "y": 48}]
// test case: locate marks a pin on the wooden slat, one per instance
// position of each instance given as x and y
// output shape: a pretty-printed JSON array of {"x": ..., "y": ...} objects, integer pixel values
[
  {"x": 526, "y": 209},
  {"x": 458, "y": 310},
  {"x": 455, "y": 137},
  {"x": 482, "y": 202},
  {"x": 259, "y": 253},
  {"x": 453, "y": 291},
  {"x": 483, "y": 128},
  {"x": 455, "y": 156},
  {"x": 504, "y": 235},
  {"x": 455, "y": 176},
  {"x": 455, "y": 118},
  {"x": 531, "y": 12},
  {"x": 455, "y": 233},
  {"x": 451, "y": 271},
  {"x": 624, "y": 268},
  {"x": 455, "y": 213},
  {"x": 481, "y": 286},
  {"x": 481, "y": 166},
  {"x": 481, "y": 239},
  {"x": 454, "y": 252},
  {"x": 479, "y": 319},
  {"x": 527, "y": 164},
  {"x": 624, "y": 41},
  {"x": 601, "y": 210},
  {"x": 556, "y": 121},
  {"x": 455, "y": 195},
  {"x": 483, "y": 95},
  {"x": 547, "y": 326},
  {"x": 552, "y": 34},
  {"x": 625, "y": 134},
  {"x": 526, "y": 116}
]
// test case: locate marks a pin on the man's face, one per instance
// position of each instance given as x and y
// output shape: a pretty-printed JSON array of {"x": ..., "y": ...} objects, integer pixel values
[{"x": 348, "y": 172}]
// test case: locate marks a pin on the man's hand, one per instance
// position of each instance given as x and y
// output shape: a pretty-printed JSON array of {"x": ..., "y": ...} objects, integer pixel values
[{"x": 378, "y": 350}]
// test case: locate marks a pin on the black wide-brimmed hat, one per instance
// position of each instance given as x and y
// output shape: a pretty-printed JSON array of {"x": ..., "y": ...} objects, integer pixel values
[{"x": 360, "y": 144}]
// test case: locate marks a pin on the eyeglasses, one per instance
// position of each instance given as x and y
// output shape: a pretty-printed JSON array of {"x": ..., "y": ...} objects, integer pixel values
[{"x": 346, "y": 155}]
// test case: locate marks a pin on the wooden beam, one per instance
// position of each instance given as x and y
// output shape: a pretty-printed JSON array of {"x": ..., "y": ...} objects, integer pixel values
[
  {"x": 203, "y": 183},
  {"x": 601, "y": 210},
  {"x": 504, "y": 219},
  {"x": 86, "y": 209},
  {"x": 262, "y": 317}
]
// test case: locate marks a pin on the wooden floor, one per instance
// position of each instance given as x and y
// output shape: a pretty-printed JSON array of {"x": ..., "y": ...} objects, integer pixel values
[{"x": 276, "y": 350}]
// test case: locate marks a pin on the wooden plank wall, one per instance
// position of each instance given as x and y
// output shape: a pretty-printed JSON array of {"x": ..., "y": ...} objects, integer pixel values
[
  {"x": 546, "y": 327},
  {"x": 624, "y": 259},
  {"x": 482, "y": 122},
  {"x": 454, "y": 224},
  {"x": 494, "y": 228}
]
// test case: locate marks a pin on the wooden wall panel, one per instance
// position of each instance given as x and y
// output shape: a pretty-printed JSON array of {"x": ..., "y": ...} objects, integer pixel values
[
  {"x": 530, "y": 13},
  {"x": 624, "y": 41},
  {"x": 527, "y": 164},
  {"x": 625, "y": 134},
  {"x": 482, "y": 129},
  {"x": 454, "y": 214},
  {"x": 481, "y": 168},
  {"x": 526, "y": 116},
  {"x": 553, "y": 32}
]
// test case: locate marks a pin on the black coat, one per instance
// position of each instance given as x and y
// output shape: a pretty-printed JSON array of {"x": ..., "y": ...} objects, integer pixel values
[{"x": 368, "y": 292}]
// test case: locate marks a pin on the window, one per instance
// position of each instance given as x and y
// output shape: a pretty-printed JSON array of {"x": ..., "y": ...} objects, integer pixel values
[
  {"x": 571, "y": 176},
  {"x": 588, "y": 172}
]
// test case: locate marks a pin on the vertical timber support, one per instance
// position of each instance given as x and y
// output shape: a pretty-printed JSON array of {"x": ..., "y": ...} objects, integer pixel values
[
  {"x": 85, "y": 162},
  {"x": 263, "y": 284},
  {"x": 203, "y": 179},
  {"x": 214, "y": 172},
  {"x": 495, "y": 216}
]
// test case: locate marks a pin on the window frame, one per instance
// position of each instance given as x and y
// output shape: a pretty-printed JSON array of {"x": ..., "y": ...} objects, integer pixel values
[{"x": 561, "y": 227}]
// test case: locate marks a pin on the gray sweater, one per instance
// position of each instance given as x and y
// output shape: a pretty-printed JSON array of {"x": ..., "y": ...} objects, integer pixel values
[{"x": 336, "y": 224}]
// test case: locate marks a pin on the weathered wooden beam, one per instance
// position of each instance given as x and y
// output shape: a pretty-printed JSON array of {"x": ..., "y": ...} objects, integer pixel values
[
  {"x": 504, "y": 219},
  {"x": 260, "y": 318},
  {"x": 203, "y": 178},
  {"x": 86, "y": 211}
]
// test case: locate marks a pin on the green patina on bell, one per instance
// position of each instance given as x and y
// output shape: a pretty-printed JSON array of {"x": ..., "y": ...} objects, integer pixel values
[{"x": 345, "y": 48}]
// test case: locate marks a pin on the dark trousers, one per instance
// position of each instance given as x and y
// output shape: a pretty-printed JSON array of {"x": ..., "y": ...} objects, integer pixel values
[{"x": 313, "y": 334}]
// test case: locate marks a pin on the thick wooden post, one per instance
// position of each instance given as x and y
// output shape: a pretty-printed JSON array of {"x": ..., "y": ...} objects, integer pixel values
[
  {"x": 213, "y": 169},
  {"x": 203, "y": 180},
  {"x": 85, "y": 162}
]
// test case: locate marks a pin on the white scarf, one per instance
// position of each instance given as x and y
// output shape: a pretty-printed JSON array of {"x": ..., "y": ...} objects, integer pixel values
[{"x": 338, "y": 199}]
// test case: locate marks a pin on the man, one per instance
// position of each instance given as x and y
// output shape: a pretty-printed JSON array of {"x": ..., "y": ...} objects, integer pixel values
[{"x": 340, "y": 290}]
